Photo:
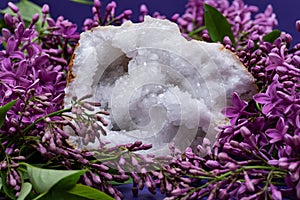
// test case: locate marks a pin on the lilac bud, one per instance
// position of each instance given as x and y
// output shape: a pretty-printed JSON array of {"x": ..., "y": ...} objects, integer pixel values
[
  {"x": 298, "y": 25},
  {"x": 168, "y": 186},
  {"x": 276, "y": 194},
  {"x": 250, "y": 44},
  {"x": 111, "y": 6},
  {"x": 35, "y": 18},
  {"x": 273, "y": 162},
  {"x": 122, "y": 161},
  {"x": 179, "y": 191},
  {"x": 143, "y": 9},
  {"x": 224, "y": 157},
  {"x": 13, "y": 7},
  {"x": 212, "y": 164},
  {"x": 97, "y": 4},
  {"x": 186, "y": 180},
  {"x": 185, "y": 164},
  {"x": 249, "y": 184},
  {"x": 12, "y": 130},
  {"x": 245, "y": 131},
  {"x": 87, "y": 106},
  {"x": 19, "y": 158},
  {"x": 134, "y": 162},
  {"x": 231, "y": 166},
  {"x": 52, "y": 144},
  {"x": 162, "y": 188},
  {"x": 143, "y": 170},
  {"x": 107, "y": 176},
  {"x": 135, "y": 177},
  {"x": 101, "y": 167},
  {"x": 45, "y": 9},
  {"x": 293, "y": 166},
  {"x": 223, "y": 194},
  {"x": 8, "y": 19},
  {"x": 227, "y": 41},
  {"x": 12, "y": 180}
]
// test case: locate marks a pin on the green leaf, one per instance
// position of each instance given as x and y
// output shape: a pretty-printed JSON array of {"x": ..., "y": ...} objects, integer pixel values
[
  {"x": 217, "y": 25},
  {"x": 88, "y": 192},
  {"x": 130, "y": 180},
  {"x": 25, "y": 190},
  {"x": 83, "y": 2},
  {"x": 43, "y": 180},
  {"x": 58, "y": 195},
  {"x": 27, "y": 10},
  {"x": 68, "y": 182},
  {"x": 3, "y": 111},
  {"x": 272, "y": 36}
]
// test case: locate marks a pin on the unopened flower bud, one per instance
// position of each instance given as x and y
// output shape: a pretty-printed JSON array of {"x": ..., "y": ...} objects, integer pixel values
[
  {"x": 298, "y": 25},
  {"x": 13, "y": 7},
  {"x": 212, "y": 164},
  {"x": 249, "y": 184},
  {"x": 245, "y": 131}
]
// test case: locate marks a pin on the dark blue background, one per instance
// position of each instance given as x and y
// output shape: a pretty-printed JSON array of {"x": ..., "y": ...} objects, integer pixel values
[{"x": 287, "y": 11}]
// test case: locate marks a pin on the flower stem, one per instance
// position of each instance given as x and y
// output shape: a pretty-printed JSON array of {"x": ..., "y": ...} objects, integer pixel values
[
  {"x": 44, "y": 117},
  {"x": 198, "y": 30}
]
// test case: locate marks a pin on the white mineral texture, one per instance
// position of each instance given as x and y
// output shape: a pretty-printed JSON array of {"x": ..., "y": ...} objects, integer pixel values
[{"x": 158, "y": 87}]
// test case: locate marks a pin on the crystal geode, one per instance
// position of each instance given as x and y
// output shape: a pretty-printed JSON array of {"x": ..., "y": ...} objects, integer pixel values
[{"x": 158, "y": 87}]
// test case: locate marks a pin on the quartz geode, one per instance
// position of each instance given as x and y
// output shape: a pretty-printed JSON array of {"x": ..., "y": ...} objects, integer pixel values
[{"x": 158, "y": 87}]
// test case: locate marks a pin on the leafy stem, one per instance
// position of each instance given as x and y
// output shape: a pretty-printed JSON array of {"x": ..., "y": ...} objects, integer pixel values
[
  {"x": 44, "y": 117},
  {"x": 198, "y": 30}
]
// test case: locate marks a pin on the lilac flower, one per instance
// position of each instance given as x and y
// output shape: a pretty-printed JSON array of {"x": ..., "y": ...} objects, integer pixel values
[
  {"x": 269, "y": 98},
  {"x": 236, "y": 110},
  {"x": 278, "y": 133}
]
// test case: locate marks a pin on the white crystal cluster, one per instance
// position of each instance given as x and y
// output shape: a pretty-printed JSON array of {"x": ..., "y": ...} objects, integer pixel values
[{"x": 158, "y": 87}]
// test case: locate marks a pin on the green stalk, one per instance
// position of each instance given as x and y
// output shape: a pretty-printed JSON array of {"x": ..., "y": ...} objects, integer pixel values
[
  {"x": 43, "y": 118},
  {"x": 198, "y": 30}
]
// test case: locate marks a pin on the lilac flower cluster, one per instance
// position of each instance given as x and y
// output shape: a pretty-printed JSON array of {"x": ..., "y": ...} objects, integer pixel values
[
  {"x": 238, "y": 15},
  {"x": 33, "y": 68},
  {"x": 109, "y": 17}
]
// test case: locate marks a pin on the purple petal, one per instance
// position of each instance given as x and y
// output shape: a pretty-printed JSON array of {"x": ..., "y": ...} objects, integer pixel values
[
  {"x": 20, "y": 30},
  {"x": 11, "y": 44},
  {"x": 276, "y": 194},
  {"x": 262, "y": 98},
  {"x": 237, "y": 102},
  {"x": 280, "y": 126},
  {"x": 22, "y": 68},
  {"x": 17, "y": 55},
  {"x": 230, "y": 112},
  {"x": 267, "y": 108}
]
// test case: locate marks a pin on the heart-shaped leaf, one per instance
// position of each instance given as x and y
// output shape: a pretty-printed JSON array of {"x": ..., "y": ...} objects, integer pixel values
[
  {"x": 43, "y": 180},
  {"x": 217, "y": 25},
  {"x": 27, "y": 10},
  {"x": 58, "y": 195},
  {"x": 25, "y": 190},
  {"x": 88, "y": 192}
]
